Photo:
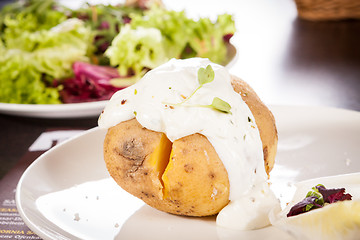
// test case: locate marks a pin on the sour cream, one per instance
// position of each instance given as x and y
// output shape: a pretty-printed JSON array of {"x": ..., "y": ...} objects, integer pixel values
[{"x": 234, "y": 135}]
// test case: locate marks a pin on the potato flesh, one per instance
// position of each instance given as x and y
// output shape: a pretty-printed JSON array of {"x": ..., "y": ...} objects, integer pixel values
[{"x": 159, "y": 159}]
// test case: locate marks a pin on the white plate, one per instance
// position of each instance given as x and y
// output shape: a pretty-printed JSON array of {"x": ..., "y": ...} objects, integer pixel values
[
  {"x": 67, "y": 193},
  {"x": 70, "y": 110},
  {"x": 75, "y": 110}
]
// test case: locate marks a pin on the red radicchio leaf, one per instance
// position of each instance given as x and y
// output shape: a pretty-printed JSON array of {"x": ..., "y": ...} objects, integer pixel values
[
  {"x": 90, "y": 83},
  {"x": 227, "y": 37},
  {"x": 126, "y": 19},
  {"x": 104, "y": 25}
]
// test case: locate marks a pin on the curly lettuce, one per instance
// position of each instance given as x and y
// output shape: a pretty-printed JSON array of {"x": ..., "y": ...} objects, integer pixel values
[
  {"x": 30, "y": 62},
  {"x": 40, "y": 42},
  {"x": 20, "y": 82},
  {"x": 181, "y": 37},
  {"x": 136, "y": 49},
  {"x": 29, "y": 16}
]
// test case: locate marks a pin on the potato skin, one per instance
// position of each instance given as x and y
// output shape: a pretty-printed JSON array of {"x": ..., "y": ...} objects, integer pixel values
[
  {"x": 264, "y": 120},
  {"x": 193, "y": 180},
  {"x": 127, "y": 159},
  {"x": 188, "y": 187}
]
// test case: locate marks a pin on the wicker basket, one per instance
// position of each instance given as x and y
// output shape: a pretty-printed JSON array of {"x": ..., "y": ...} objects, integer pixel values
[{"x": 318, "y": 10}]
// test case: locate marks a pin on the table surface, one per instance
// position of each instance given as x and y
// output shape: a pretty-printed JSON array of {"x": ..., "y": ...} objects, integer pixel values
[{"x": 287, "y": 60}]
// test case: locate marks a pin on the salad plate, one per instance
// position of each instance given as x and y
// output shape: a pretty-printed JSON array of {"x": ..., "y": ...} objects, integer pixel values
[
  {"x": 75, "y": 110},
  {"x": 69, "y": 110},
  {"x": 67, "y": 192}
]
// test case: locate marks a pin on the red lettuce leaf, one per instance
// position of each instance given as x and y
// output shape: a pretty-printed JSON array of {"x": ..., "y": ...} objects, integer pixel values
[
  {"x": 90, "y": 83},
  {"x": 227, "y": 37}
]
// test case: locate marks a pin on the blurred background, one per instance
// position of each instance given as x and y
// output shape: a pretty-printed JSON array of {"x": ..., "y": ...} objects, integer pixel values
[
  {"x": 285, "y": 58},
  {"x": 290, "y": 60}
]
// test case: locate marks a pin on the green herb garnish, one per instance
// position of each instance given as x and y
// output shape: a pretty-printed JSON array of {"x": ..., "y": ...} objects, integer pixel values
[
  {"x": 206, "y": 75},
  {"x": 220, "y": 105}
]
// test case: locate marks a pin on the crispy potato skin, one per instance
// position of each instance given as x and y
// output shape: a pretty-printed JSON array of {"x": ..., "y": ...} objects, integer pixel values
[
  {"x": 185, "y": 177},
  {"x": 264, "y": 120},
  {"x": 195, "y": 178},
  {"x": 185, "y": 187},
  {"x": 127, "y": 158}
]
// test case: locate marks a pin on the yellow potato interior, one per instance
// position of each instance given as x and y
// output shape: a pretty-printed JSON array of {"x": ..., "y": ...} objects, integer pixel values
[
  {"x": 159, "y": 158},
  {"x": 165, "y": 178}
]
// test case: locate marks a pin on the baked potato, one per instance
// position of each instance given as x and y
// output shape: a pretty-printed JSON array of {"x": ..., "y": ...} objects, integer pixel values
[{"x": 184, "y": 177}]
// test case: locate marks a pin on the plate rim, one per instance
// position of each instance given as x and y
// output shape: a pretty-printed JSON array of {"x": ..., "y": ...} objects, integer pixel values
[
  {"x": 67, "y": 110},
  {"x": 34, "y": 227}
]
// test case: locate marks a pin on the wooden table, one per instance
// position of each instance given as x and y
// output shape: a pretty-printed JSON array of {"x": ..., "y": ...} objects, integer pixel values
[{"x": 288, "y": 61}]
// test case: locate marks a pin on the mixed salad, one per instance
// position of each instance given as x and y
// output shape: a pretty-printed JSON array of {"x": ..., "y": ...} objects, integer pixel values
[{"x": 50, "y": 54}]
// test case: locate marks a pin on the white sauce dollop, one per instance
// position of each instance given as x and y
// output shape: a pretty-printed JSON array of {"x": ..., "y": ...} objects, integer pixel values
[{"x": 235, "y": 138}]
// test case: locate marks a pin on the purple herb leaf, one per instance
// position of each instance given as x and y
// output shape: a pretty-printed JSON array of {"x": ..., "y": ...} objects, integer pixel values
[
  {"x": 340, "y": 196},
  {"x": 317, "y": 198},
  {"x": 305, "y": 205},
  {"x": 333, "y": 195}
]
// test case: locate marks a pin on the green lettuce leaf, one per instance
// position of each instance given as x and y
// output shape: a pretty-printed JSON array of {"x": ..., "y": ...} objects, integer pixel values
[
  {"x": 29, "y": 16},
  {"x": 31, "y": 62},
  {"x": 175, "y": 27},
  {"x": 136, "y": 49},
  {"x": 208, "y": 38},
  {"x": 181, "y": 37},
  {"x": 20, "y": 82}
]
